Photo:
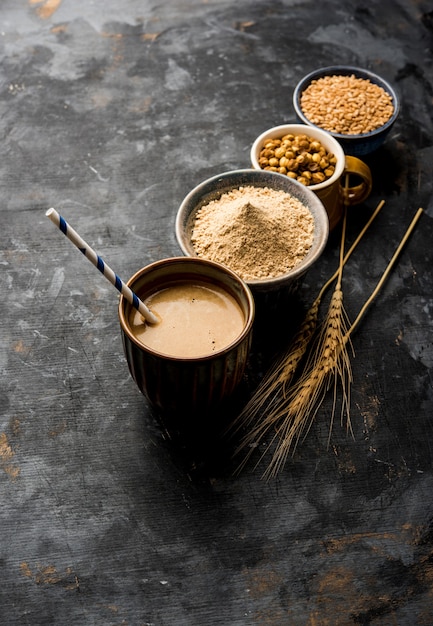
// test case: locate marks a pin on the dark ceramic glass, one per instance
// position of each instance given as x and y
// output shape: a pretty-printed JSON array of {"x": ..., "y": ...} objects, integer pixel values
[{"x": 179, "y": 385}]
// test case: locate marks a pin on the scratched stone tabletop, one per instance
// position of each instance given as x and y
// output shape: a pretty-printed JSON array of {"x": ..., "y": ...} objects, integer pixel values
[{"x": 111, "y": 112}]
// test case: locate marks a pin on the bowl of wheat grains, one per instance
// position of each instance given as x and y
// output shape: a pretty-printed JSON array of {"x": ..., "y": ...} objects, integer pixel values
[
  {"x": 264, "y": 226},
  {"x": 354, "y": 105}
]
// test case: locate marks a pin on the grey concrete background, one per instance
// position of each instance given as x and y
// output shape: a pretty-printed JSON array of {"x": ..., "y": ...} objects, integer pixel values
[{"x": 111, "y": 112}]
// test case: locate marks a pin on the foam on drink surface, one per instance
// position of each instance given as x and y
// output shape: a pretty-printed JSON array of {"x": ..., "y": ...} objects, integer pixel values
[{"x": 196, "y": 320}]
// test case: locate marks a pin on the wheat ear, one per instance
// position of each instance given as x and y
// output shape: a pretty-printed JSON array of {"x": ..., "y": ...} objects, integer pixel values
[
  {"x": 289, "y": 411},
  {"x": 330, "y": 363},
  {"x": 272, "y": 392},
  {"x": 281, "y": 373},
  {"x": 328, "y": 360}
]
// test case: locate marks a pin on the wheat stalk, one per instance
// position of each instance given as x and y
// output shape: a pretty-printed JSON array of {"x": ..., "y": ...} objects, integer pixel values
[
  {"x": 283, "y": 370},
  {"x": 272, "y": 393},
  {"x": 329, "y": 363},
  {"x": 292, "y": 413},
  {"x": 388, "y": 269},
  {"x": 328, "y": 360}
]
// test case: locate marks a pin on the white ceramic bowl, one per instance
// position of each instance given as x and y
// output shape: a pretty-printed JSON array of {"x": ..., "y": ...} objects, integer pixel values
[{"x": 328, "y": 142}]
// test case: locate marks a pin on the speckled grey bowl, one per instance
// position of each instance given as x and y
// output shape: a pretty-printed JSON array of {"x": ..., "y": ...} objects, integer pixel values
[
  {"x": 213, "y": 188},
  {"x": 354, "y": 145}
]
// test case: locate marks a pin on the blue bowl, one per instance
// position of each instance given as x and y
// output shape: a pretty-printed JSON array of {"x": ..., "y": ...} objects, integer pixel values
[{"x": 355, "y": 145}]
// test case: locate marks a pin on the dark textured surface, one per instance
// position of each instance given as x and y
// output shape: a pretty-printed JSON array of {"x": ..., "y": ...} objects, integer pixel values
[{"x": 111, "y": 112}]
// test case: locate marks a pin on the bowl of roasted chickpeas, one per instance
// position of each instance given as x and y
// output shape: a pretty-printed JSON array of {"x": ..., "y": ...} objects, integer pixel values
[
  {"x": 354, "y": 105},
  {"x": 302, "y": 153},
  {"x": 314, "y": 158}
]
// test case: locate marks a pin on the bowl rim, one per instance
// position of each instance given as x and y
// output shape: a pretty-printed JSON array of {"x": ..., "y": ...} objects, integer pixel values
[
  {"x": 185, "y": 215},
  {"x": 302, "y": 129},
  {"x": 345, "y": 70}
]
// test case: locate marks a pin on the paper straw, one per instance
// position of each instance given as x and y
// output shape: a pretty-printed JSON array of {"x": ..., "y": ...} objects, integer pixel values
[{"x": 96, "y": 260}]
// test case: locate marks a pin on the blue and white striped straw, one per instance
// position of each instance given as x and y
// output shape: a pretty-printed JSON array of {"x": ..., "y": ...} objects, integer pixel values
[{"x": 94, "y": 258}]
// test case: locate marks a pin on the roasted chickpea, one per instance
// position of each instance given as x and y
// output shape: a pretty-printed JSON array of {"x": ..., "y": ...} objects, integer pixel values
[{"x": 300, "y": 157}]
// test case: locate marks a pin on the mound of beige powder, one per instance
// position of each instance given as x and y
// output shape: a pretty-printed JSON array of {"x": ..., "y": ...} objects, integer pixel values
[{"x": 257, "y": 232}]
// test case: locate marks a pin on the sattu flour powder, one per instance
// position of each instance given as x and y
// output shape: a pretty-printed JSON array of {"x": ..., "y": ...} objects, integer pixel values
[{"x": 257, "y": 232}]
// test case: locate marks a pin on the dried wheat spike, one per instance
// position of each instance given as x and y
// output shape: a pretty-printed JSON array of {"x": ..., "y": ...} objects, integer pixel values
[{"x": 327, "y": 363}]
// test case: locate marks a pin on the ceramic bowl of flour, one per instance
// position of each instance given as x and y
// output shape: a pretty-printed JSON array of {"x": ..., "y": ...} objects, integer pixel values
[{"x": 264, "y": 226}]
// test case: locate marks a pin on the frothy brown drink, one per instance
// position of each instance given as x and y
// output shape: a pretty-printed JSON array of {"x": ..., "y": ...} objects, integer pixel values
[
  {"x": 196, "y": 320},
  {"x": 195, "y": 357}
]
